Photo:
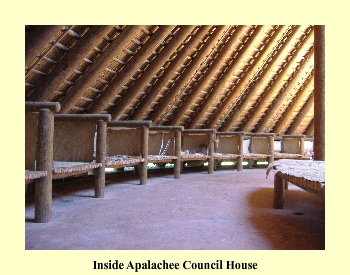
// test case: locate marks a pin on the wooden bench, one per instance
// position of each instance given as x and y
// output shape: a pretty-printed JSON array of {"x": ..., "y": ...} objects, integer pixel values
[
  {"x": 165, "y": 146},
  {"x": 261, "y": 147},
  {"x": 198, "y": 147},
  {"x": 306, "y": 174},
  {"x": 127, "y": 145},
  {"x": 229, "y": 147},
  {"x": 39, "y": 129},
  {"x": 292, "y": 147},
  {"x": 80, "y": 147}
]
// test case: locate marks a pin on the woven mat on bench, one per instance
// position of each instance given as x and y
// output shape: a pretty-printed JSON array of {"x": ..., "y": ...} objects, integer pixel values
[
  {"x": 30, "y": 175},
  {"x": 62, "y": 167},
  {"x": 225, "y": 156},
  {"x": 161, "y": 157},
  {"x": 253, "y": 155},
  {"x": 187, "y": 155},
  {"x": 286, "y": 155},
  {"x": 122, "y": 160},
  {"x": 307, "y": 174}
]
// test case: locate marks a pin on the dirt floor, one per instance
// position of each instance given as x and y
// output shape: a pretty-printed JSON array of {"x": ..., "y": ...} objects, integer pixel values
[{"x": 227, "y": 210}]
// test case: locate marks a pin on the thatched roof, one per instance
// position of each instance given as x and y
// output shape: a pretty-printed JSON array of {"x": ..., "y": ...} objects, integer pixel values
[{"x": 253, "y": 78}]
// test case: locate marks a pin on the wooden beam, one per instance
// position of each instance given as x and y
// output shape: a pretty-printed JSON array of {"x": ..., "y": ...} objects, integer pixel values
[
  {"x": 130, "y": 68},
  {"x": 74, "y": 57},
  {"x": 222, "y": 59},
  {"x": 151, "y": 70},
  {"x": 263, "y": 64},
  {"x": 32, "y": 106},
  {"x": 310, "y": 129},
  {"x": 275, "y": 86},
  {"x": 303, "y": 112},
  {"x": 286, "y": 95},
  {"x": 283, "y": 122},
  {"x": 249, "y": 50},
  {"x": 81, "y": 117},
  {"x": 129, "y": 123},
  {"x": 37, "y": 38},
  {"x": 163, "y": 107},
  {"x": 180, "y": 59},
  {"x": 87, "y": 80}
]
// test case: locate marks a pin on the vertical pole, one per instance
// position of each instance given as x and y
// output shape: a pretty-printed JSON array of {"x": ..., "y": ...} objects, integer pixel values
[
  {"x": 144, "y": 154},
  {"x": 177, "y": 166},
  {"x": 319, "y": 93},
  {"x": 240, "y": 158},
  {"x": 100, "y": 158},
  {"x": 302, "y": 140},
  {"x": 278, "y": 192},
  {"x": 211, "y": 153},
  {"x": 271, "y": 143},
  {"x": 43, "y": 188}
]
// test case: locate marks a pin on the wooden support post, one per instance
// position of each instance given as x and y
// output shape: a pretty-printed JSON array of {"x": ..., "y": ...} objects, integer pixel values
[
  {"x": 211, "y": 152},
  {"x": 271, "y": 148},
  {"x": 302, "y": 140},
  {"x": 100, "y": 158},
  {"x": 240, "y": 158},
  {"x": 177, "y": 166},
  {"x": 319, "y": 92},
  {"x": 43, "y": 188},
  {"x": 278, "y": 195},
  {"x": 144, "y": 154}
]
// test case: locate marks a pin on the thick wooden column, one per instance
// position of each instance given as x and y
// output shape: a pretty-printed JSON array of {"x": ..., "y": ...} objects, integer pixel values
[
  {"x": 43, "y": 186},
  {"x": 100, "y": 158},
  {"x": 319, "y": 93}
]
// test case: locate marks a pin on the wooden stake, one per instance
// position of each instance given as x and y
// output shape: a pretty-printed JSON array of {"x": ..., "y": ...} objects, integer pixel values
[
  {"x": 144, "y": 154},
  {"x": 240, "y": 158},
  {"x": 43, "y": 188},
  {"x": 278, "y": 194},
  {"x": 177, "y": 166},
  {"x": 100, "y": 158},
  {"x": 211, "y": 153}
]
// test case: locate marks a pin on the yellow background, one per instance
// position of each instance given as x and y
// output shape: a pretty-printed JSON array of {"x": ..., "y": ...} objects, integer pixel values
[{"x": 15, "y": 15}]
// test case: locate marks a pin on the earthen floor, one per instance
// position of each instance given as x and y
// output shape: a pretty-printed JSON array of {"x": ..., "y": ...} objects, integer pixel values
[{"x": 227, "y": 210}]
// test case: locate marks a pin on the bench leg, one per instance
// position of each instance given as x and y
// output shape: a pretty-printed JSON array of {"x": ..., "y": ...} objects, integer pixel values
[{"x": 278, "y": 196}]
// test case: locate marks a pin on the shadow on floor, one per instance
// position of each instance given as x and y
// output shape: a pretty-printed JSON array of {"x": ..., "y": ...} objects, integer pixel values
[{"x": 300, "y": 225}]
